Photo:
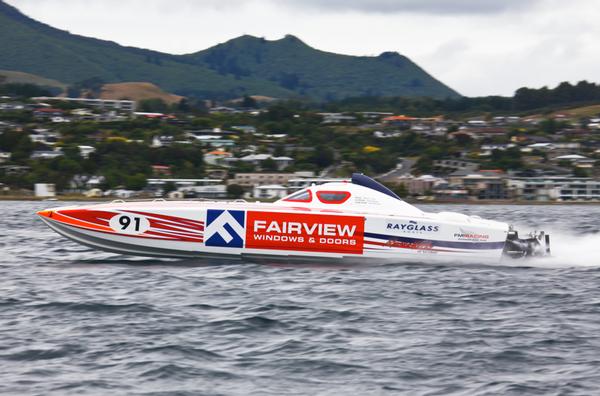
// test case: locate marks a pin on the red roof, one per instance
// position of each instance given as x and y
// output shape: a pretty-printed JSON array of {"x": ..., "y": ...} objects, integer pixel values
[{"x": 399, "y": 118}]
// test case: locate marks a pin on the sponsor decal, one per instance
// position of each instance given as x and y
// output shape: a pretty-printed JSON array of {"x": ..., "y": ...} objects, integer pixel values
[
  {"x": 412, "y": 227},
  {"x": 225, "y": 228},
  {"x": 417, "y": 245},
  {"x": 305, "y": 232},
  {"x": 471, "y": 236}
]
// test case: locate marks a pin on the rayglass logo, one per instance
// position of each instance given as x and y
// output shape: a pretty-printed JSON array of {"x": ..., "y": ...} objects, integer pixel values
[
  {"x": 413, "y": 226},
  {"x": 308, "y": 232}
]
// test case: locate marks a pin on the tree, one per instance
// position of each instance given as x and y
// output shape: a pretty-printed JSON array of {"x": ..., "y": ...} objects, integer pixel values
[
  {"x": 248, "y": 102},
  {"x": 580, "y": 172},
  {"x": 269, "y": 164},
  {"x": 235, "y": 191},
  {"x": 168, "y": 187},
  {"x": 155, "y": 105},
  {"x": 400, "y": 189},
  {"x": 135, "y": 182},
  {"x": 322, "y": 156}
]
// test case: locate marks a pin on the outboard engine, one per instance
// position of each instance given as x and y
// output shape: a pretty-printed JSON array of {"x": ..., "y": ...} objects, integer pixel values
[{"x": 533, "y": 245}]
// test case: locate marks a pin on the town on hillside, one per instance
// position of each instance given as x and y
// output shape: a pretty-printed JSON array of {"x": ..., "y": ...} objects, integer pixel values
[{"x": 95, "y": 148}]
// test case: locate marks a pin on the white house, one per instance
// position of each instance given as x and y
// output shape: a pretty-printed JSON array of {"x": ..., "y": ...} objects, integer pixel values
[
  {"x": 258, "y": 159},
  {"x": 85, "y": 151},
  {"x": 44, "y": 190},
  {"x": 4, "y": 157},
  {"x": 271, "y": 191}
]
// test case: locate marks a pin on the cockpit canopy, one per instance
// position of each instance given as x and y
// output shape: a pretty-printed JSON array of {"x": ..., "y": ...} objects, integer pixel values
[{"x": 361, "y": 193}]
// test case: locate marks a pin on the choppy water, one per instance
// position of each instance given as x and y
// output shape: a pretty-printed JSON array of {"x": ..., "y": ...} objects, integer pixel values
[{"x": 77, "y": 321}]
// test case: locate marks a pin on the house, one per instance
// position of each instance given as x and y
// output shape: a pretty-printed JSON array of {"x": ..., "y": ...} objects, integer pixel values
[
  {"x": 375, "y": 115},
  {"x": 157, "y": 186},
  {"x": 161, "y": 170},
  {"x": 223, "y": 109},
  {"x": 454, "y": 165},
  {"x": 4, "y": 156},
  {"x": 484, "y": 184},
  {"x": 480, "y": 133},
  {"x": 244, "y": 128},
  {"x": 270, "y": 191},
  {"x": 555, "y": 188},
  {"x": 418, "y": 185},
  {"x": 161, "y": 141},
  {"x": 85, "y": 151},
  {"x": 47, "y": 138},
  {"x": 336, "y": 118},
  {"x": 44, "y": 154},
  {"x": 213, "y": 191},
  {"x": 217, "y": 157},
  {"x": 450, "y": 193},
  {"x": 45, "y": 190},
  {"x": 401, "y": 121},
  {"x": 85, "y": 182},
  {"x": 216, "y": 143},
  {"x": 259, "y": 159},
  {"x": 576, "y": 159},
  {"x": 123, "y": 105},
  {"x": 254, "y": 179},
  {"x": 120, "y": 193},
  {"x": 15, "y": 170},
  {"x": 48, "y": 112},
  {"x": 386, "y": 134},
  {"x": 307, "y": 181}
]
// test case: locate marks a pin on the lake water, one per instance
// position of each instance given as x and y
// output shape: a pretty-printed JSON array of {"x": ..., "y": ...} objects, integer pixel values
[{"x": 78, "y": 321}]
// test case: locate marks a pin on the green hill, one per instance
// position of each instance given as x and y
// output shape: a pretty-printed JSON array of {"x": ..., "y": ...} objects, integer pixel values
[
  {"x": 243, "y": 66},
  {"x": 9, "y": 77},
  {"x": 295, "y": 66}
]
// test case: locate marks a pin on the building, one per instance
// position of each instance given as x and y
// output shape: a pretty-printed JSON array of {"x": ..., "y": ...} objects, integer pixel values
[
  {"x": 258, "y": 179},
  {"x": 44, "y": 154},
  {"x": 161, "y": 170},
  {"x": 555, "y": 188},
  {"x": 85, "y": 151},
  {"x": 217, "y": 157},
  {"x": 300, "y": 183},
  {"x": 123, "y": 105},
  {"x": 336, "y": 118},
  {"x": 244, "y": 128},
  {"x": 455, "y": 165},
  {"x": 4, "y": 156},
  {"x": 576, "y": 159},
  {"x": 213, "y": 191},
  {"x": 259, "y": 159},
  {"x": 271, "y": 191},
  {"x": 486, "y": 185},
  {"x": 45, "y": 190},
  {"x": 47, "y": 138},
  {"x": 48, "y": 112},
  {"x": 194, "y": 187},
  {"x": 418, "y": 185}
]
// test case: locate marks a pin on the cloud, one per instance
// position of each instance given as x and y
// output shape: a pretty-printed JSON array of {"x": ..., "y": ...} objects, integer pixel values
[
  {"x": 415, "y": 6},
  {"x": 478, "y": 47}
]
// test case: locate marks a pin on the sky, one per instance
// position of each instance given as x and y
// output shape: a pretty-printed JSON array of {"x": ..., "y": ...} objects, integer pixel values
[{"x": 477, "y": 47}]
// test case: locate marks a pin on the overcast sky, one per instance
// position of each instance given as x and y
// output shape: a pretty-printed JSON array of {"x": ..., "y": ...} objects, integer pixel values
[{"x": 478, "y": 47}]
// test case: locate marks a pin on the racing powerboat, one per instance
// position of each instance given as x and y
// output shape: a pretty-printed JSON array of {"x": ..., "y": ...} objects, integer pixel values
[{"x": 355, "y": 220}]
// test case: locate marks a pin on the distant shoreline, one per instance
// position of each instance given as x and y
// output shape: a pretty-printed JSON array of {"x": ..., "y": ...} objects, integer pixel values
[{"x": 412, "y": 202}]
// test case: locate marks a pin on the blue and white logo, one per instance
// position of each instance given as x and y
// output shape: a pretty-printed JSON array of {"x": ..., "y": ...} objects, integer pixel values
[{"x": 225, "y": 228}]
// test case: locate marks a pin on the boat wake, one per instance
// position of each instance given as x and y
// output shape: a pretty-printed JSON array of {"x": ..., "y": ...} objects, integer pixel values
[{"x": 570, "y": 250}]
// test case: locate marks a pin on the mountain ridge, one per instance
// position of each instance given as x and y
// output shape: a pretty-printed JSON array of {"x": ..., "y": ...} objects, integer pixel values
[{"x": 245, "y": 65}]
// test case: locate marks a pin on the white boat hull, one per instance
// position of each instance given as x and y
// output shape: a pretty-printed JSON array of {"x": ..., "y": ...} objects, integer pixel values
[{"x": 244, "y": 231}]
